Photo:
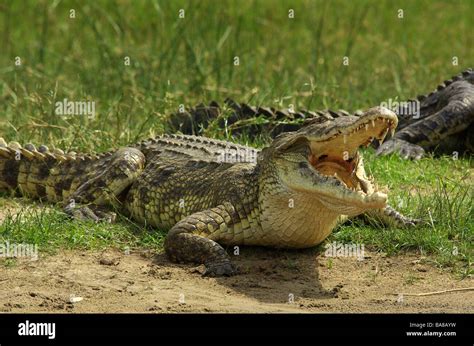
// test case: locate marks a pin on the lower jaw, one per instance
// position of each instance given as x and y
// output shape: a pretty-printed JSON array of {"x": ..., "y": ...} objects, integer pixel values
[
  {"x": 343, "y": 206},
  {"x": 301, "y": 236},
  {"x": 304, "y": 225}
]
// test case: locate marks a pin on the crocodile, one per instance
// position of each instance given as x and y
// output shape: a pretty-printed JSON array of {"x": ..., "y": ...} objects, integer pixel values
[
  {"x": 210, "y": 194},
  {"x": 440, "y": 122}
]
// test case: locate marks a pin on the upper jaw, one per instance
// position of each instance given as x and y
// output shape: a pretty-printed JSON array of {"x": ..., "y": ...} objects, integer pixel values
[{"x": 348, "y": 136}]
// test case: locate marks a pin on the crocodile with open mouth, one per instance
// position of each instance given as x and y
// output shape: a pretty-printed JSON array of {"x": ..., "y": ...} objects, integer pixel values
[{"x": 211, "y": 193}]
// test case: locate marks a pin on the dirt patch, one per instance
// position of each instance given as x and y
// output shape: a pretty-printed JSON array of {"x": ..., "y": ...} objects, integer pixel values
[{"x": 270, "y": 281}]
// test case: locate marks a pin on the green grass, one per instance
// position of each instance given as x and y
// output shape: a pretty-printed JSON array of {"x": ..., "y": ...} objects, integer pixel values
[
  {"x": 51, "y": 229},
  {"x": 282, "y": 61},
  {"x": 186, "y": 61}
]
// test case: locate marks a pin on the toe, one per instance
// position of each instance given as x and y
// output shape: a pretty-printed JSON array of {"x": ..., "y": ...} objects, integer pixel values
[{"x": 220, "y": 269}]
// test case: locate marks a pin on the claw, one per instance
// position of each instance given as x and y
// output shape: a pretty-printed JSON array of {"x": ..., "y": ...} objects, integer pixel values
[
  {"x": 214, "y": 269},
  {"x": 89, "y": 213}
]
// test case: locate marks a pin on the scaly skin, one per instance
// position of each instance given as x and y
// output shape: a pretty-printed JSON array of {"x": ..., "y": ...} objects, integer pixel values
[
  {"x": 445, "y": 122},
  {"x": 212, "y": 193}
]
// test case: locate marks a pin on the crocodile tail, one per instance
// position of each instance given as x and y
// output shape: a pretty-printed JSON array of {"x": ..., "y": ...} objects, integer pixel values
[
  {"x": 10, "y": 162},
  {"x": 243, "y": 118},
  {"x": 239, "y": 118},
  {"x": 26, "y": 169}
]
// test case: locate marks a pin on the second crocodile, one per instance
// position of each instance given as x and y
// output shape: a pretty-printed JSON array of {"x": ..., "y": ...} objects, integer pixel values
[{"x": 441, "y": 121}]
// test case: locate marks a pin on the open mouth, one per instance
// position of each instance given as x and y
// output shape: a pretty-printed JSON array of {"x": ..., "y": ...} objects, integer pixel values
[{"x": 336, "y": 156}]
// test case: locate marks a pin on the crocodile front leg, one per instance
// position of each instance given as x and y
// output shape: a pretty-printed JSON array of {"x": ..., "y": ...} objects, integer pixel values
[
  {"x": 391, "y": 217},
  {"x": 387, "y": 216},
  {"x": 195, "y": 239},
  {"x": 92, "y": 199}
]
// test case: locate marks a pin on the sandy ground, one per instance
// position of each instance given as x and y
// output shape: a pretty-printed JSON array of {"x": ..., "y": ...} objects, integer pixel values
[{"x": 270, "y": 281}]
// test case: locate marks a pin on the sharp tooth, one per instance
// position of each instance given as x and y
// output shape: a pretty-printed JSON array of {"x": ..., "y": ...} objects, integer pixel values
[
  {"x": 373, "y": 123},
  {"x": 392, "y": 131},
  {"x": 383, "y": 136},
  {"x": 345, "y": 139},
  {"x": 366, "y": 127}
]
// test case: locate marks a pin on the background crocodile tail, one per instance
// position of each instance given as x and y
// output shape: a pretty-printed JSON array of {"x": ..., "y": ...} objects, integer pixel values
[{"x": 240, "y": 118}]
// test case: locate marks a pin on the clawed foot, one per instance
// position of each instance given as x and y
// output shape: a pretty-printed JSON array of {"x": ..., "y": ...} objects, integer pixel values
[
  {"x": 405, "y": 149},
  {"x": 223, "y": 268},
  {"x": 399, "y": 219},
  {"x": 89, "y": 213},
  {"x": 407, "y": 222}
]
